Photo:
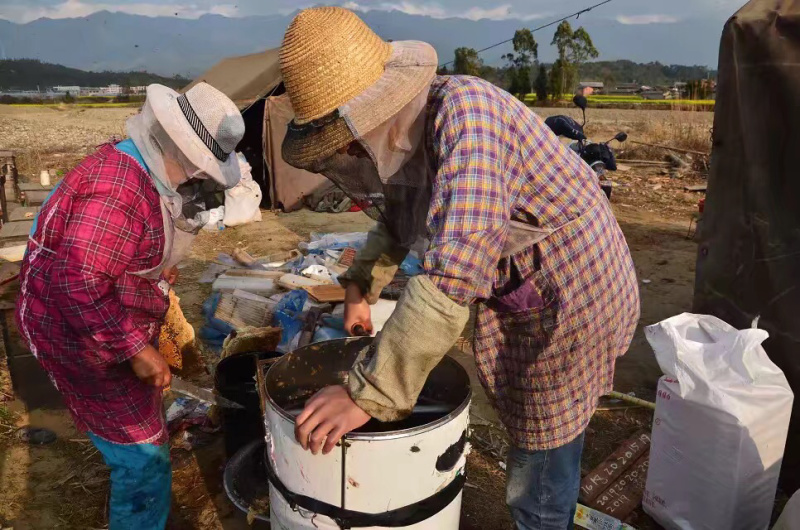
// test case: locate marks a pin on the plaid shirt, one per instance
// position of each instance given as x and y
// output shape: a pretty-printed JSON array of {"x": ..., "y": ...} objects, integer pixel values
[
  {"x": 82, "y": 311},
  {"x": 543, "y": 367}
]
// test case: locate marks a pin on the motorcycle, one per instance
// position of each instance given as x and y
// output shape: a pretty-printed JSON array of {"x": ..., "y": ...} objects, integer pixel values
[{"x": 599, "y": 156}]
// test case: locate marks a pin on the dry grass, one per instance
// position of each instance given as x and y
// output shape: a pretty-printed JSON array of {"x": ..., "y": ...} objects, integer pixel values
[
  {"x": 484, "y": 504},
  {"x": 6, "y": 386},
  {"x": 30, "y": 163},
  {"x": 57, "y": 138},
  {"x": 677, "y": 132},
  {"x": 8, "y": 422}
]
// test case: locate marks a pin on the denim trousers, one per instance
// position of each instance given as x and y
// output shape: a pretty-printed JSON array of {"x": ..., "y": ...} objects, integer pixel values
[
  {"x": 141, "y": 484},
  {"x": 543, "y": 486}
]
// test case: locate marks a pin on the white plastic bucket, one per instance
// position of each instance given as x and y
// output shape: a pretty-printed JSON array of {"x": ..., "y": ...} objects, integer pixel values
[{"x": 420, "y": 459}]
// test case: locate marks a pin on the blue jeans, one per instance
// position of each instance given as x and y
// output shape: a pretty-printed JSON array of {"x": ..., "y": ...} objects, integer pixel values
[
  {"x": 543, "y": 486},
  {"x": 141, "y": 484}
]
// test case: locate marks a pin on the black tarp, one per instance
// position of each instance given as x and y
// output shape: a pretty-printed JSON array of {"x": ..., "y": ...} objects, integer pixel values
[{"x": 749, "y": 256}]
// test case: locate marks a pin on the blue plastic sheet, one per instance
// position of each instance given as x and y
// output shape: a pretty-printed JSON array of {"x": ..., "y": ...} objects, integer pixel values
[
  {"x": 214, "y": 332},
  {"x": 412, "y": 266},
  {"x": 332, "y": 328},
  {"x": 336, "y": 241},
  {"x": 289, "y": 316}
]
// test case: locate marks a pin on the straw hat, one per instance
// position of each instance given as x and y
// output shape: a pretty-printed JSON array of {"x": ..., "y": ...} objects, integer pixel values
[
  {"x": 204, "y": 124},
  {"x": 343, "y": 80}
]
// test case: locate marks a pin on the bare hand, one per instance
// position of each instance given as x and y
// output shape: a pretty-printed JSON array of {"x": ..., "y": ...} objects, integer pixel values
[
  {"x": 328, "y": 416},
  {"x": 171, "y": 275},
  {"x": 356, "y": 311},
  {"x": 149, "y": 366}
]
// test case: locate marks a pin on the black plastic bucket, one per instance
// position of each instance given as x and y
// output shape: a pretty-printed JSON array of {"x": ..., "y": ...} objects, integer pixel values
[
  {"x": 235, "y": 379},
  {"x": 246, "y": 482}
]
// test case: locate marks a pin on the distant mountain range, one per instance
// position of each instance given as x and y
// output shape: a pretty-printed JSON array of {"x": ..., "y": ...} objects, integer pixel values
[
  {"x": 169, "y": 46},
  {"x": 29, "y": 74}
]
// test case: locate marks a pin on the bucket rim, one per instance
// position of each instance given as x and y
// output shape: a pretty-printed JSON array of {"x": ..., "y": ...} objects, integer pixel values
[{"x": 390, "y": 435}]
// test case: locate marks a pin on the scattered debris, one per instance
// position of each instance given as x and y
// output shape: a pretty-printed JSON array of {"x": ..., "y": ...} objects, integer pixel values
[
  {"x": 699, "y": 187},
  {"x": 253, "y": 284},
  {"x": 241, "y": 309},
  {"x": 244, "y": 258},
  {"x": 319, "y": 273},
  {"x": 36, "y": 436},
  {"x": 293, "y": 281},
  {"x": 189, "y": 441},
  {"x": 14, "y": 253},
  {"x": 326, "y": 293},
  {"x": 590, "y": 519},
  {"x": 212, "y": 219},
  {"x": 212, "y": 272},
  {"x": 185, "y": 412},
  {"x": 347, "y": 258},
  {"x": 280, "y": 260},
  {"x": 336, "y": 241}
]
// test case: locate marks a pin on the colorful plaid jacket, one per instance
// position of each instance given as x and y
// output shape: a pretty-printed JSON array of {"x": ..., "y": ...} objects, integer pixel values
[
  {"x": 544, "y": 364},
  {"x": 81, "y": 310}
]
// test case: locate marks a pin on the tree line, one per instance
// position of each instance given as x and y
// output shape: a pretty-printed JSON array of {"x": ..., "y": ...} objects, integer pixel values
[
  {"x": 523, "y": 73},
  {"x": 28, "y": 74}
]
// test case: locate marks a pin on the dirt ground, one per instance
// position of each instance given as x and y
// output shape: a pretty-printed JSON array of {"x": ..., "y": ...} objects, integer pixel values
[{"x": 65, "y": 485}]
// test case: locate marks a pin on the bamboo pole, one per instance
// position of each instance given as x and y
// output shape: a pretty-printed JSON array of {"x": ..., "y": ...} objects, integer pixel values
[
  {"x": 644, "y": 162},
  {"x": 632, "y": 400},
  {"x": 668, "y": 148}
]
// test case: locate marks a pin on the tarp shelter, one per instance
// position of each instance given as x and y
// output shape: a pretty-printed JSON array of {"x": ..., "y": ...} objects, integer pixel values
[
  {"x": 290, "y": 186},
  {"x": 749, "y": 255},
  {"x": 244, "y": 79},
  {"x": 254, "y": 83}
]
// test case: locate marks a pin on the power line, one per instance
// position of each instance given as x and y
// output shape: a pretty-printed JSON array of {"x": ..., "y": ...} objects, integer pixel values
[{"x": 553, "y": 23}]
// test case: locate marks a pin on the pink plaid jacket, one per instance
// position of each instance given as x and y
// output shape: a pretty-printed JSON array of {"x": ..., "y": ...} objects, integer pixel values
[{"x": 81, "y": 310}]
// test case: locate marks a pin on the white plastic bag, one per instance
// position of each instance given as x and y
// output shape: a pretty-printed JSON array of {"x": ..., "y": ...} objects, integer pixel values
[
  {"x": 380, "y": 313},
  {"x": 790, "y": 517},
  {"x": 722, "y": 416},
  {"x": 243, "y": 201},
  {"x": 319, "y": 273},
  {"x": 215, "y": 216}
]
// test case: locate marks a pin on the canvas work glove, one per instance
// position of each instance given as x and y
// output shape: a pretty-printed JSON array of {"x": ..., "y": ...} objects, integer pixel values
[
  {"x": 419, "y": 333},
  {"x": 376, "y": 264}
]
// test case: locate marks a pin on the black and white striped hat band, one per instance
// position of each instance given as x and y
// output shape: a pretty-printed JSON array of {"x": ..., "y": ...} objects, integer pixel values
[{"x": 200, "y": 129}]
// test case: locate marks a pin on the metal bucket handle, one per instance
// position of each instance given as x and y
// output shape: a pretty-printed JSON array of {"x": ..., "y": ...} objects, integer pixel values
[{"x": 400, "y": 517}]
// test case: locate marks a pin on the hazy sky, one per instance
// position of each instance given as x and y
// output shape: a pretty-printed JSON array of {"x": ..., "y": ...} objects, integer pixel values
[{"x": 625, "y": 11}]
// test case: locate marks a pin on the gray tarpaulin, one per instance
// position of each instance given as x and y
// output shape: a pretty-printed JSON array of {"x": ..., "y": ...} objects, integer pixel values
[{"x": 749, "y": 256}]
